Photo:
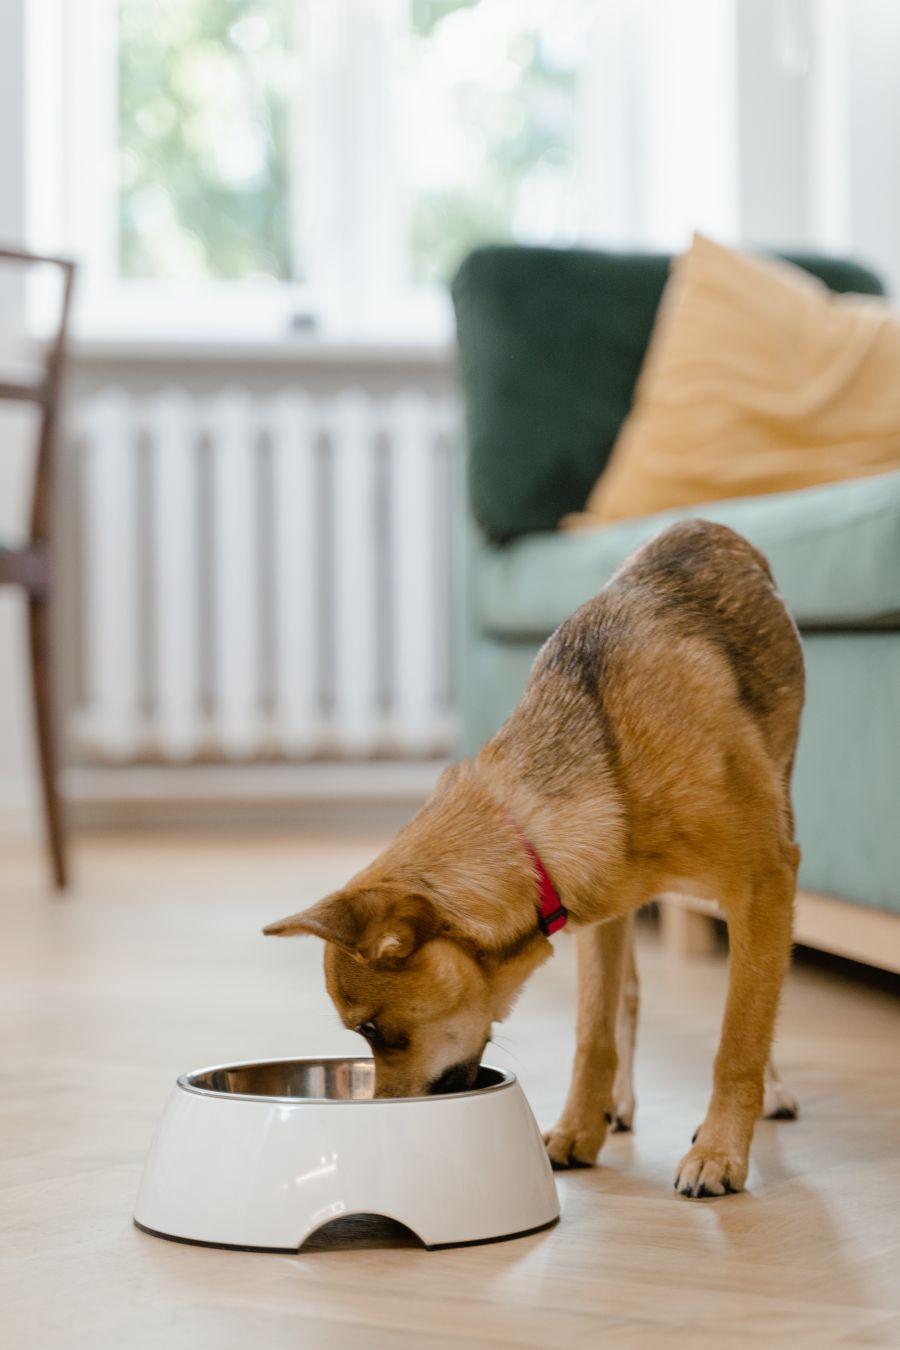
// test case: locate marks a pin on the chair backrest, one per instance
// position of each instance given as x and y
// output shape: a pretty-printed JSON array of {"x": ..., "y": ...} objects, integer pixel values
[
  {"x": 550, "y": 345},
  {"x": 45, "y": 390}
]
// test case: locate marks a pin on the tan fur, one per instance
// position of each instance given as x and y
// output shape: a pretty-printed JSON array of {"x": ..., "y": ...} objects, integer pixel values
[{"x": 651, "y": 751}]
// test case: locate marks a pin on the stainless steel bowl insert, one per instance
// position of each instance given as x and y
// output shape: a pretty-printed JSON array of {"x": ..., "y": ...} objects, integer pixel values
[{"x": 320, "y": 1080}]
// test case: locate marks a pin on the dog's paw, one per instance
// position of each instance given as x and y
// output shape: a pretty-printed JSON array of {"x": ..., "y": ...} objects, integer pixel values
[
  {"x": 573, "y": 1147},
  {"x": 623, "y": 1116},
  {"x": 707, "y": 1171},
  {"x": 779, "y": 1104}
]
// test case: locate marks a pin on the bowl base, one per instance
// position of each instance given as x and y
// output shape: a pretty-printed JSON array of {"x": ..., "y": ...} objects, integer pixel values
[{"x": 293, "y": 1251}]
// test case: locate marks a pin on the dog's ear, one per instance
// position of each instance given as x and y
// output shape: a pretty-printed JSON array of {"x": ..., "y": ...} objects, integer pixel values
[
  {"x": 382, "y": 925},
  {"x": 335, "y": 919}
]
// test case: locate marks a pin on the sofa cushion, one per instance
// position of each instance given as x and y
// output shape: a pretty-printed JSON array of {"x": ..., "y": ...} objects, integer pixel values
[
  {"x": 550, "y": 345},
  {"x": 834, "y": 551},
  {"x": 757, "y": 379}
]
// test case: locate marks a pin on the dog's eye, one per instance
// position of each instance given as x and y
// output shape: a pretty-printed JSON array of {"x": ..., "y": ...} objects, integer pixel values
[{"x": 375, "y": 1036}]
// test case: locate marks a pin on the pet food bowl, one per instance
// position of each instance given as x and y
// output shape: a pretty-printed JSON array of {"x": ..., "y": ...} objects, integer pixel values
[{"x": 260, "y": 1155}]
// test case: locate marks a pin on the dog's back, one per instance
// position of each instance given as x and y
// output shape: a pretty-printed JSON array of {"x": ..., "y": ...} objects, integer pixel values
[
  {"x": 704, "y": 581},
  {"x": 696, "y": 595},
  {"x": 679, "y": 686}
]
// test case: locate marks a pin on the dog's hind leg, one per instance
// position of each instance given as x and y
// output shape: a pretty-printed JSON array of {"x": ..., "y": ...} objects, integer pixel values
[
  {"x": 579, "y": 1133},
  {"x": 759, "y": 928},
  {"x": 626, "y": 1036},
  {"x": 778, "y": 1102}
]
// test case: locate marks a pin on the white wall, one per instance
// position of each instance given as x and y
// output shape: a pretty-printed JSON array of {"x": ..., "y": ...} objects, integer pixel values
[
  {"x": 773, "y": 125},
  {"x": 17, "y": 781},
  {"x": 874, "y": 44},
  {"x": 819, "y": 101}
]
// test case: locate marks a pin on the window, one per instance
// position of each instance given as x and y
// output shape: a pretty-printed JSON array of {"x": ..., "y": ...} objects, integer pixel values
[
  {"x": 492, "y": 112},
  {"x": 204, "y": 99},
  {"x": 257, "y": 166},
  {"x": 203, "y": 139}
]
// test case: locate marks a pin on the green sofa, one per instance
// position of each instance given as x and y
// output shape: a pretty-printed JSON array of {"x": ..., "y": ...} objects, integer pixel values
[{"x": 550, "y": 345}]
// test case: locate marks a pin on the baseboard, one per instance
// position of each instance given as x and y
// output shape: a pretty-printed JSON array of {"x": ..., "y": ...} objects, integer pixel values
[{"x": 372, "y": 795}]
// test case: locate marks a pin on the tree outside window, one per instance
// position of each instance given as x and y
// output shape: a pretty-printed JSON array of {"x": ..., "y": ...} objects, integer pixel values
[{"x": 207, "y": 167}]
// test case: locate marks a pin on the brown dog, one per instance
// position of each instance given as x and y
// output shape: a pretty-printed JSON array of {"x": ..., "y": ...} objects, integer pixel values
[{"x": 651, "y": 752}]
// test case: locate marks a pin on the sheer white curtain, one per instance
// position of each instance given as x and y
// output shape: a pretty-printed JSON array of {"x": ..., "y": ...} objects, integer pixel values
[
  {"x": 772, "y": 122},
  {"x": 660, "y": 123}
]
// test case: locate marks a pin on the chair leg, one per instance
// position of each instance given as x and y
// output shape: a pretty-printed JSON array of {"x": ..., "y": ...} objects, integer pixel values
[{"x": 42, "y": 692}]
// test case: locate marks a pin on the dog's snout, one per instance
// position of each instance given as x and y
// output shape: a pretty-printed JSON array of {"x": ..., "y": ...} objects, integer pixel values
[{"x": 458, "y": 1078}]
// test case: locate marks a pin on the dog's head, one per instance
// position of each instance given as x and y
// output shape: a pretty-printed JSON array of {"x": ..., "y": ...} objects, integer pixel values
[{"x": 420, "y": 992}]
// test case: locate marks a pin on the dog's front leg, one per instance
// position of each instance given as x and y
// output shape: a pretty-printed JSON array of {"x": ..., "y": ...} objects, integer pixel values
[
  {"x": 579, "y": 1133},
  {"x": 759, "y": 929}
]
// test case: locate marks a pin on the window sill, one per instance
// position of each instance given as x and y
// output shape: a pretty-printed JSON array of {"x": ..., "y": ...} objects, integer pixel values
[{"x": 300, "y": 351}]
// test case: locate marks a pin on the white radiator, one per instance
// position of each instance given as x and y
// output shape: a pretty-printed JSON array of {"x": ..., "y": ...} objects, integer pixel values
[{"x": 265, "y": 577}]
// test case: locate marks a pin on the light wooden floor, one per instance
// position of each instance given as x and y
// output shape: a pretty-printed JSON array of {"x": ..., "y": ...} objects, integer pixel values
[{"x": 155, "y": 964}]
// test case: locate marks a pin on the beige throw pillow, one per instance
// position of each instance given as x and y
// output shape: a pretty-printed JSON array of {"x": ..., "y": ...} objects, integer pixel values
[{"x": 757, "y": 379}]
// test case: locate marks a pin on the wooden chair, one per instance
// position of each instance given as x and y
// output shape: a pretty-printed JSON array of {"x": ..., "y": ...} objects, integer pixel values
[{"x": 29, "y": 565}]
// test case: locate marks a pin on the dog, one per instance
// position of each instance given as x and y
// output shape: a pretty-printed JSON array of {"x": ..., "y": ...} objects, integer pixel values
[{"x": 651, "y": 752}]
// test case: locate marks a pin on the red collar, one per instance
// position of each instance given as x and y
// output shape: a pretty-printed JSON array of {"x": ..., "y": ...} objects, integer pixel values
[{"x": 552, "y": 913}]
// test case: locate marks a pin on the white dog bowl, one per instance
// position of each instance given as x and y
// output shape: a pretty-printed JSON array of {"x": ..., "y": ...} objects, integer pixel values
[{"x": 263, "y": 1154}]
